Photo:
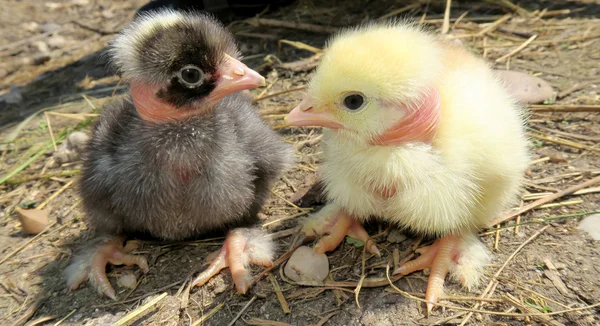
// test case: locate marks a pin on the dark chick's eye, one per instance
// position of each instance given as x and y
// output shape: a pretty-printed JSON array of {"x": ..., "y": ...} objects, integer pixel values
[
  {"x": 354, "y": 101},
  {"x": 191, "y": 76}
]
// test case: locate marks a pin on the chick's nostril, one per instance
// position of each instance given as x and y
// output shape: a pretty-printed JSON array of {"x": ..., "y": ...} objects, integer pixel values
[
  {"x": 239, "y": 71},
  {"x": 306, "y": 108}
]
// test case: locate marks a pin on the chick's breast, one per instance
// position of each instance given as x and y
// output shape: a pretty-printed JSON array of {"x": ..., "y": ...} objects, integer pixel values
[{"x": 180, "y": 179}]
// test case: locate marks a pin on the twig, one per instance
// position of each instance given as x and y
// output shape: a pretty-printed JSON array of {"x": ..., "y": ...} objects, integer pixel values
[
  {"x": 94, "y": 29},
  {"x": 50, "y": 131},
  {"x": 517, "y": 50},
  {"x": 489, "y": 288},
  {"x": 241, "y": 311},
  {"x": 208, "y": 315},
  {"x": 65, "y": 317},
  {"x": 291, "y": 25},
  {"x": 301, "y": 46},
  {"x": 266, "y": 96},
  {"x": 26, "y": 164},
  {"x": 544, "y": 319},
  {"x": 54, "y": 195},
  {"x": 546, "y": 199},
  {"x": 280, "y": 297},
  {"x": 493, "y": 26},
  {"x": 564, "y": 108},
  {"x": 565, "y": 142},
  {"x": 575, "y": 88},
  {"x": 16, "y": 251},
  {"x": 398, "y": 11},
  {"x": 446, "y": 23},
  {"x": 130, "y": 316}
]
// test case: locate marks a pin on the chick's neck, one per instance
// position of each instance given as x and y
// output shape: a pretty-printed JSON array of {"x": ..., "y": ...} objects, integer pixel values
[{"x": 154, "y": 110}]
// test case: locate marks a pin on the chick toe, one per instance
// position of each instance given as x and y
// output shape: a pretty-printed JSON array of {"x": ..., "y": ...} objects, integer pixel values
[
  {"x": 333, "y": 225},
  {"x": 242, "y": 247},
  {"x": 92, "y": 265},
  {"x": 441, "y": 256}
]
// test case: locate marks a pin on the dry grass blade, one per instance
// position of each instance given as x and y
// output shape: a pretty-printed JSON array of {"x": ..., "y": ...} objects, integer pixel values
[
  {"x": 37, "y": 236},
  {"x": 446, "y": 24},
  {"x": 263, "y": 322},
  {"x": 543, "y": 319},
  {"x": 25, "y": 164},
  {"x": 493, "y": 26},
  {"x": 280, "y": 297},
  {"x": 398, "y": 11},
  {"x": 40, "y": 320},
  {"x": 139, "y": 311},
  {"x": 65, "y": 317},
  {"x": 291, "y": 25},
  {"x": 301, "y": 46},
  {"x": 564, "y": 108},
  {"x": 241, "y": 311},
  {"x": 517, "y": 50},
  {"x": 546, "y": 199},
  {"x": 208, "y": 315}
]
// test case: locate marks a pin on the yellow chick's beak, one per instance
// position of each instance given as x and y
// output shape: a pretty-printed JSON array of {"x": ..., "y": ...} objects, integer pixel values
[
  {"x": 306, "y": 115},
  {"x": 234, "y": 77}
]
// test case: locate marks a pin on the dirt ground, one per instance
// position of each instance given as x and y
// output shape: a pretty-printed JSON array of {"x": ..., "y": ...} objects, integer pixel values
[{"x": 51, "y": 60}]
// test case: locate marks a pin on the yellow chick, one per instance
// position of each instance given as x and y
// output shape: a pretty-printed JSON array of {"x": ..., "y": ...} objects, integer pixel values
[{"x": 420, "y": 133}]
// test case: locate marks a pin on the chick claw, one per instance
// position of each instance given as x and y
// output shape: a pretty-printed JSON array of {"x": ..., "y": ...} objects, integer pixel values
[
  {"x": 333, "y": 228},
  {"x": 92, "y": 266},
  {"x": 241, "y": 247},
  {"x": 439, "y": 256}
]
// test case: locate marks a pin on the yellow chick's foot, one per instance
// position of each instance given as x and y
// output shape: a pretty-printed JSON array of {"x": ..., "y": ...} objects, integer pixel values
[
  {"x": 439, "y": 257},
  {"x": 332, "y": 225},
  {"x": 464, "y": 257},
  {"x": 242, "y": 247},
  {"x": 92, "y": 265}
]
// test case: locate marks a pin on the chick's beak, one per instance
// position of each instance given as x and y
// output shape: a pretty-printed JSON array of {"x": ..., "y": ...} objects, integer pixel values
[
  {"x": 306, "y": 115},
  {"x": 234, "y": 77}
]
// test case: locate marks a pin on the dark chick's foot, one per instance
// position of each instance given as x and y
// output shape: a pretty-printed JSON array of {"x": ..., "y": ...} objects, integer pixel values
[
  {"x": 242, "y": 247},
  {"x": 91, "y": 264}
]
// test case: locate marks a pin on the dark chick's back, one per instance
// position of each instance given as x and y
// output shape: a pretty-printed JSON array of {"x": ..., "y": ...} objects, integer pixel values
[{"x": 181, "y": 179}]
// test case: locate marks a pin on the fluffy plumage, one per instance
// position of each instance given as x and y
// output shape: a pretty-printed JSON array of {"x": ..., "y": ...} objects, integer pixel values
[
  {"x": 183, "y": 154},
  {"x": 437, "y": 147}
]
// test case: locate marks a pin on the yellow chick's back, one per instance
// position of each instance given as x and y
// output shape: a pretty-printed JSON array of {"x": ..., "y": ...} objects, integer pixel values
[{"x": 459, "y": 180}]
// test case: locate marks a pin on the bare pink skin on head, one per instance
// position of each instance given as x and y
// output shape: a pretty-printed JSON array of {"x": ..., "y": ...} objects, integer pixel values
[
  {"x": 419, "y": 125},
  {"x": 234, "y": 76}
]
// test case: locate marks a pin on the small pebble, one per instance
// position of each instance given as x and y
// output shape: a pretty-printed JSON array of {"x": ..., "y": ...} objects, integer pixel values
[
  {"x": 525, "y": 88},
  {"x": 33, "y": 221},
  {"x": 591, "y": 225},
  {"x": 50, "y": 27},
  {"x": 396, "y": 236},
  {"x": 127, "y": 281},
  {"x": 306, "y": 265}
]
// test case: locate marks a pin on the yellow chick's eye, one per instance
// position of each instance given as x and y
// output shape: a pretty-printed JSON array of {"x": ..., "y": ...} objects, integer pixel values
[{"x": 354, "y": 101}]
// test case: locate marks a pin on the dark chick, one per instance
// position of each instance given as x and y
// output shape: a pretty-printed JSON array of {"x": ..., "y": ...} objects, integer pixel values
[{"x": 182, "y": 155}]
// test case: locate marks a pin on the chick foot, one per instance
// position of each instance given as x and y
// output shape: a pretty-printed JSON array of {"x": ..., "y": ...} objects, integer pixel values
[
  {"x": 463, "y": 256},
  {"x": 332, "y": 225},
  {"x": 241, "y": 248},
  {"x": 91, "y": 263}
]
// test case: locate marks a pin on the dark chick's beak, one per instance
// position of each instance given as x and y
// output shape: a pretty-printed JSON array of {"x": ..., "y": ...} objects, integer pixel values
[{"x": 234, "y": 77}]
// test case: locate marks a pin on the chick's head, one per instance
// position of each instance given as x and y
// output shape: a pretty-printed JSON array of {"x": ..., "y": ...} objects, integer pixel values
[
  {"x": 375, "y": 83},
  {"x": 179, "y": 63}
]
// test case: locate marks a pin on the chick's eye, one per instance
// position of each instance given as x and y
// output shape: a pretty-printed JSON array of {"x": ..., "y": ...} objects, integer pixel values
[
  {"x": 191, "y": 76},
  {"x": 354, "y": 102}
]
